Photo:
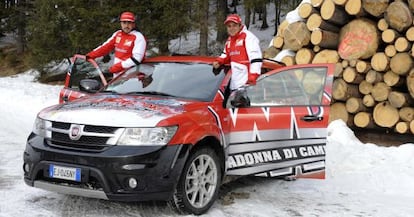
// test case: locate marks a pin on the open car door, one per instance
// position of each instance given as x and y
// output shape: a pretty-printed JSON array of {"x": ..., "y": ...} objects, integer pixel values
[
  {"x": 279, "y": 125},
  {"x": 80, "y": 69}
]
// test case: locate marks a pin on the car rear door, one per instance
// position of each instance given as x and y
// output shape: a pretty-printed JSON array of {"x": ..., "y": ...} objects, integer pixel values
[
  {"x": 283, "y": 131},
  {"x": 79, "y": 69}
]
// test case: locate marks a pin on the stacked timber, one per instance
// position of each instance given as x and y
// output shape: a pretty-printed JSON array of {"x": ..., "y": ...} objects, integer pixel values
[{"x": 372, "y": 44}]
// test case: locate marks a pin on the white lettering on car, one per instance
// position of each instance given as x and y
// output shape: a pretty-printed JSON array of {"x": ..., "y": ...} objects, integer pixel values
[
  {"x": 312, "y": 150},
  {"x": 249, "y": 159},
  {"x": 271, "y": 156}
]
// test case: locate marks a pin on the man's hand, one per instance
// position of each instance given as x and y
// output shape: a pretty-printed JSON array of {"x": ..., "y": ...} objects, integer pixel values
[
  {"x": 251, "y": 79},
  {"x": 216, "y": 64},
  {"x": 116, "y": 68}
]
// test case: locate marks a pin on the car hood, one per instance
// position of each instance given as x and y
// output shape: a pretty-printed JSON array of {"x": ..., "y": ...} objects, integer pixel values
[{"x": 115, "y": 110}]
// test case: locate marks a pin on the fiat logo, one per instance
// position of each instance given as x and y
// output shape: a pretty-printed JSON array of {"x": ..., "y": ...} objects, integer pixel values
[{"x": 75, "y": 131}]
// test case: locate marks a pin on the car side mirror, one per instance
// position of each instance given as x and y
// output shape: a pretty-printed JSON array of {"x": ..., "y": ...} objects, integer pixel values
[
  {"x": 239, "y": 99},
  {"x": 89, "y": 85}
]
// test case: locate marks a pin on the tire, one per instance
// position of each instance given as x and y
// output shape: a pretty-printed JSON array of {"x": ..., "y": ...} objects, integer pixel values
[{"x": 198, "y": 186}]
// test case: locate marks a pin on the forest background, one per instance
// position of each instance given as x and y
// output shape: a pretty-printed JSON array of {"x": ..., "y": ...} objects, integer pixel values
[{"x": 35, "y": 33}]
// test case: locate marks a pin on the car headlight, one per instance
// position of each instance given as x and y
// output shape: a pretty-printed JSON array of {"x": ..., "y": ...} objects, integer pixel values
[
  {"x": 147, "y": 136},
  {"x": 42, "y": 128}
]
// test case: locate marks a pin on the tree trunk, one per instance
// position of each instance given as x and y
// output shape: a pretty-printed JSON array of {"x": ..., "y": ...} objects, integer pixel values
[
  {"x": 326, "y": 56},
  {"x": 409, "y": 34},
  {"x": 278, "y": 42},
  {"x": 340, "y": 2},
  {"x": 222, "y": 10},
  {"x": 354, "y": 7},
  {"x": 399, "y": 16},
  {"x": 350, "y": 75},
  {"x": 304, "y": 56},
  {"x": 364, "y": 120},
  {"x": 270, "y": 52},
  {"x": 306, "y": 9},
  {"x": 412, "y": 126},
  {"x": 247, "y": 17},
  {"x": 358, "y": 39},
  {"x": 342, "y": 91},
  {"x": 338, "y": 112},
  {"x": 399, "y": 99},
  {"x": 365, "y": 87},
  {"x": 410, "y": 83},
  {"x": 203, "y": 21},
  {"x": 380, "y": 91},
  {"x": 163, "y": 46},
  {"x": 401, "y": 63},
  {"x": 385, "y": 115},
  {"x": 324, "y": 39},
  {"x": 264, "y": 24},
  {"x": 362, "y": 66},
  {"x": 315, "y": 21},
  {"x": 354, "y": 105},
  {"x": 375, "y": 7},
  {"x": 402, "y": 127},
  {"x": 402, "y": 44},
  {"x": 406, "y": 113},
  {"x": 389, "y": 35},
  {"x": 373, "y": 77},
  {"x": 333, "y": 13},
  {"x": 296, "y": 36},
  {"x": 368, "y": 101},
  {"x": 338, "y": 70},
  {"x": 393, "y": 80},
  {"x": 277, "y": 15},
  {"x": 317, "y": 3},
  {"x": 380, "y": 62},
  {"x": 288, "y": 60},
  {"x": 382, "y": 24},
  {"x": 390, "y": 50}
]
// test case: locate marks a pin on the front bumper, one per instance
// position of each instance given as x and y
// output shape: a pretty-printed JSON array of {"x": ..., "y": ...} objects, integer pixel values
[{"x": 105, "y": 174}]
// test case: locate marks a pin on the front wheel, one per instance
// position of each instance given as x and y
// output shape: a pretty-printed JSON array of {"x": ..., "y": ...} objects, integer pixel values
[{"x": 198, "y": 186}]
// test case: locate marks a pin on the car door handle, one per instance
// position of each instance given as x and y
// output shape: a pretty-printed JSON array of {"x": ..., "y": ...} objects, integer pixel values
[{"x": 311, "y": 118}]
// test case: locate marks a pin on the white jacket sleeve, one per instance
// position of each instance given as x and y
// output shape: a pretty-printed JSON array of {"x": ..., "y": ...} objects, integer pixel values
[{"x": 254, "y": 52}]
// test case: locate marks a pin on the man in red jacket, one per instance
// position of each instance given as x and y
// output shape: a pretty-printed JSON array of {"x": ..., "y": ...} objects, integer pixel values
[
  {"x": 128, "y": 43},
  {"x": 242, "y": 51}
]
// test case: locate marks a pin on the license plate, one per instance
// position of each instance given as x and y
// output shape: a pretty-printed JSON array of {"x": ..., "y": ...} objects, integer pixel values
[{"x": 67, "y": 173}]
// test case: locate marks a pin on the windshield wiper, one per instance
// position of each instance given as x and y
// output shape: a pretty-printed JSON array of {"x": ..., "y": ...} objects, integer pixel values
[
  {"x": 149, "y": 93},
  {"x": 107, "y": 91}
]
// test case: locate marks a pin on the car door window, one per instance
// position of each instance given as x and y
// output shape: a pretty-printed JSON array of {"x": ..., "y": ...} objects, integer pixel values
[
  {"x": 300, "y": 86},
  {"x": 82, "y": 69}
]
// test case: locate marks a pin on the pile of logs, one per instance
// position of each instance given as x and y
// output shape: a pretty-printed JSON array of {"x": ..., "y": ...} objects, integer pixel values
[{"x": 372, "y": 44}]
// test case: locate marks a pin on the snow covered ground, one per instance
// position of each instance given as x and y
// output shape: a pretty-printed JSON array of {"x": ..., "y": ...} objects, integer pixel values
[{"x": 362, "y": 179}]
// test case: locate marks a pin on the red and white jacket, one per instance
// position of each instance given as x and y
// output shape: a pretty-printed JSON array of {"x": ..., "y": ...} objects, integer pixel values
[
  {"x": 243, "y": 49},
  {"x": 129, "y": 50}
]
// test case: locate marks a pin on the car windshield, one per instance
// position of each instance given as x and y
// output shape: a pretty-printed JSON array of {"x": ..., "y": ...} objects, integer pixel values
[{"x": 194, "y": 81}]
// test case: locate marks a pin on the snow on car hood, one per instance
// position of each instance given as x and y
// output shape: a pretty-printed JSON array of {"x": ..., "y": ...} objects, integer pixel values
[{"x": 115, "y": 110}]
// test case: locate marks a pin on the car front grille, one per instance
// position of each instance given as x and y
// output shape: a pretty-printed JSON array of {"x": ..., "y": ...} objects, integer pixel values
[{"x": 88, "y": 137}]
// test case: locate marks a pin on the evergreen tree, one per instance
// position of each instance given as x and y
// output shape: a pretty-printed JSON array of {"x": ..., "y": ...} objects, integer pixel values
[
  {"x": 59, "y": 28},
  {"x": 48, "y": 28},
  {"x": 164, "y": 20}
]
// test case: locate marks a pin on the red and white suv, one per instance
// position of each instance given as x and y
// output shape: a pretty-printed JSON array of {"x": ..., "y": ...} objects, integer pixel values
[{"x": 169, "y": 129}]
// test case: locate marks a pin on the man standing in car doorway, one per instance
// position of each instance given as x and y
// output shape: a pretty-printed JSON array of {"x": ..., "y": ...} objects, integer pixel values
[
  {"x": 128, "y": 43},
  {"x": 242, "y": 51}
]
